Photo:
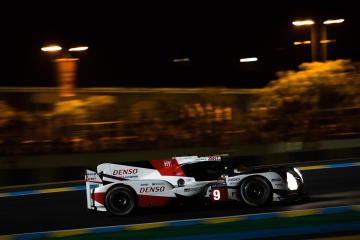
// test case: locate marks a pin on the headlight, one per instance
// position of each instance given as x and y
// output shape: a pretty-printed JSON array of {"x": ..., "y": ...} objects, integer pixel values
[
  {"x": 299, "y": 173},
  {"x": 291, "y": 181}
]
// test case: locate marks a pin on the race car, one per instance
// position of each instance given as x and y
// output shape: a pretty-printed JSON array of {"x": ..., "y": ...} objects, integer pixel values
[{"x": 121, "y": 188}]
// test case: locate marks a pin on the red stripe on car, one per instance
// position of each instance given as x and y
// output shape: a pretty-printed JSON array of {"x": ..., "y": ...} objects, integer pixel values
[
  {"x": 168, "y": 167},
  {"x": 99, "y": 197},
  {"x": 152, "y": 201}
]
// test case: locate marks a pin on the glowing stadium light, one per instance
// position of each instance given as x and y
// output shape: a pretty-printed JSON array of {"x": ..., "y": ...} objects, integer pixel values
[
  {"x": 251, "y": 59},
  {"x": 303, "y": 23},
  {"x": 334, "y": 21},
  {"x": 52, "y": 48},
  {"x": 78, "y": 49}
]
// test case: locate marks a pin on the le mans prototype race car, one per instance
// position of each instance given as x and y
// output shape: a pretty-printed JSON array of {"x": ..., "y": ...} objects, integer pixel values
[{"x": 120, "y": 188}]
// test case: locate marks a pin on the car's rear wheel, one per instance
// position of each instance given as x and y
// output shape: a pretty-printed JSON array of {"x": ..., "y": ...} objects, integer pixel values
[
  {"x": 120, "y": 201},
  {"x": 256, "y": 191}
]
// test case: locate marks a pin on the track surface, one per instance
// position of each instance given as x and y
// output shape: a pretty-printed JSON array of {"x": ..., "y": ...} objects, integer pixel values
[{"x": 67, "y": 210}]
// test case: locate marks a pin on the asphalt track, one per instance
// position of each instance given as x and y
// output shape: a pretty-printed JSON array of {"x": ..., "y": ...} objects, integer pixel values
[{"x": 67, "y": 210}]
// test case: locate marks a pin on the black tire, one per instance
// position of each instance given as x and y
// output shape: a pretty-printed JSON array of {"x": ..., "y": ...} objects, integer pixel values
[
  {"x": 120, "y": 201},
  {"x": 256, "y": 191}
]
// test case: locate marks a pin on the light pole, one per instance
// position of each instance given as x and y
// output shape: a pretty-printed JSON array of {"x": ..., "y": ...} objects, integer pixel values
[
  {"x": 66, "y": 68},
  {"x": 319, "y": 39},
  {"x": 324, "y": 35}
]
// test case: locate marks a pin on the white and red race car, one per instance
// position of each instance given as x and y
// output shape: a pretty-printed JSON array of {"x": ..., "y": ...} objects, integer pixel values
[{"x": 120, "y": 188}]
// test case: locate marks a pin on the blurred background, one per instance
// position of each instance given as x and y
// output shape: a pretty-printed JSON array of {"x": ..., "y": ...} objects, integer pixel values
[{"x": 136, "y": 83}]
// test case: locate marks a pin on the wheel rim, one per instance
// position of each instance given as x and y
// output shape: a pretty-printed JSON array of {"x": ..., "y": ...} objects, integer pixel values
[
  {"x": 121, "y": 201},
  {"x": 255, "y": 191}
]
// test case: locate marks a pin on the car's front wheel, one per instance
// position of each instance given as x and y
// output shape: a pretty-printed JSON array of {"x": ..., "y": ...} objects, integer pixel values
[
  {"x": 256, "y": 191},
  {"x": 120, "y": 201}
]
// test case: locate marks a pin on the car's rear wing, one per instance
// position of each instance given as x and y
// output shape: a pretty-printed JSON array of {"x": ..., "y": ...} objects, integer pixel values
[{"x": 93, "y": 181}]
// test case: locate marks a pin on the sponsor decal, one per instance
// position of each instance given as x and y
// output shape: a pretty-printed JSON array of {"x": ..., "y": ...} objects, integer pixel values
[
  {"x": 128, "y": 171},
  {"x": 210, "y": 158},
  {"x": 144, "y": 184},
  {"x": 214, "y": 158},
  {"x": 276, "y": 180},
  {"x": 152, "y": 189},
  {"x": 91, "y": 178},
  {"x": 220, "y": 185},
  {"x": 134, "y": 176},
  {"x": 169, "y": 167},
  {"x": 234, "y": 179},
  {"x": 167, "y": 163},
  {"x": 158, "y": 184},
  {"x": 191, "y": 189}
]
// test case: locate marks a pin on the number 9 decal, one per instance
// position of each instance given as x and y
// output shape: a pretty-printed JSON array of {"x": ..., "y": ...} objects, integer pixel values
[{"x": 216, "y": 194}]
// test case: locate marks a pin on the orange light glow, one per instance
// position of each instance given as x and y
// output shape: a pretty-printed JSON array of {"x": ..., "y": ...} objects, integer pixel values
[
  {"x": 303, "y": 42},
  {"x": 327, "y": 41}
]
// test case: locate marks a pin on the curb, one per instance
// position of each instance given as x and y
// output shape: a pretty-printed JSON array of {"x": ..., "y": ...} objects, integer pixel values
[
  {"x": 179, "y": 223},
  {"x": 42, "y": 191}
]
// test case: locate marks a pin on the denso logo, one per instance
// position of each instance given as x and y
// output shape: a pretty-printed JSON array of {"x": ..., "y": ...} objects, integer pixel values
[
  {"x": 125, "y": 171},
  {"x": 152, "y": 189}
]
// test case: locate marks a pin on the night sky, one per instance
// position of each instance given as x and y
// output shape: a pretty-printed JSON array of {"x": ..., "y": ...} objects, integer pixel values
[{"x": 134, "y": 45}]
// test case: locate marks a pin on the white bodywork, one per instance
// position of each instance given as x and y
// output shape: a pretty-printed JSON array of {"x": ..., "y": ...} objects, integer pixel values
[{"x": 166, "y": 180}]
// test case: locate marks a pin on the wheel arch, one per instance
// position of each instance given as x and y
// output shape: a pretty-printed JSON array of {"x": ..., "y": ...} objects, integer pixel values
[{"x": 255, "y": 175}]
